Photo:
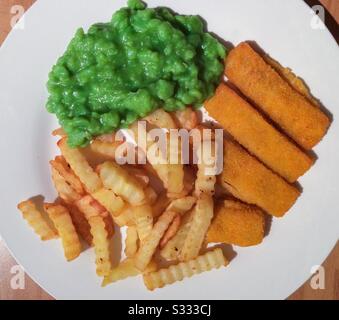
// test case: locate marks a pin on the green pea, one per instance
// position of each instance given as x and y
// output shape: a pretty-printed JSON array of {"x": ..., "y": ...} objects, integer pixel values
[
  {"x": 110, "y": 119},
  {"x": 164, "y": 89},
  {"x": 136, "y": 4},
  {"x": 120, "y": 71}
]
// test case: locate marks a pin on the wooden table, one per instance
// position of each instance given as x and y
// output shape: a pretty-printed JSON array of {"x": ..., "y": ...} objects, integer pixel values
[{"x": 33, "y": 291}]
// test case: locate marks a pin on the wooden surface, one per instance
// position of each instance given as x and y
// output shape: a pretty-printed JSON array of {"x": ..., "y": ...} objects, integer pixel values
[{"x": 33, "y": 291}]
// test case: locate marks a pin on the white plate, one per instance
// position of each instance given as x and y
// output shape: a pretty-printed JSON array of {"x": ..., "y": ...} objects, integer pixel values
[{"x": 296, "y": 243}]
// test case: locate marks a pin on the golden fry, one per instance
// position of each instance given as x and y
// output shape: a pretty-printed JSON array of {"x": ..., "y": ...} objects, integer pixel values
[
  {"x": 108, "y": 220},
  {"x": 161, "y": 119},
  {"x": 189, "y": 180},
  {"x": 143, "y": 219},
  {"x": 171, "y": 231},
  {"x": 59, "y": 132},
  {"x": 126, "y": 216},
  {"x": 107, "y": 149},
  {"x": 139, "y": 174},
  {"x": 109, "y": 200},
  {"x": 150, "y": 195},
  {"x": 92, "y": 208},
  {"x": 182, "y": 205},
  {"x": 65, "y": 191},
  {"x": 150, "y": 244},
  {"x": 80, "y": 166},
  {"x": 85, "y": 205},
  {"x": 62, "y": 167},
  {"x": 101, "y": 245},
  {"x": 171, "y": 250},
  {"x": 63, "y": 223},
  {"x": 207, "y": 162},
  {"x": 176, "y": 173},
  {"x": 117, "y": 179},
  {"x": 108, "y": 137},
  {"x": 186, "y": 118},
  {"x": 210, "y": 260},
  {"x": 160, "y": 205},
  {"x": 131, "y": 242},
  {"x": 170, "y": 171},
  {"x": 201, "y": 220},
  {"x": 35, "y": 219},
  {"x": 126, "y": 269},
  {"x": 80, "y": 223}
]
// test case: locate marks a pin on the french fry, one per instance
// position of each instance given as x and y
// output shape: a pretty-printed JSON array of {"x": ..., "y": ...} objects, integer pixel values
[
  {"x": 59, "y": 132},
  {"x": 65, "y": 191},
  {"x": 210, "y": 260},
  {"x": 161, "y": 119},
  {"x": 189, "y": 180},
  {"x": 162, "y": 172},
  {"x": 63, "y": 223},
  {"x": 101, "y": 245},
  {"x": 171, "y": 231},
  {"x": 182, "y": 205},
  {"x": 149, "y": 169},
  {"x": 85, "y": 205},
  {"x": 174, "y": 196},
  {"x": 186, "y": 118},
  {"x": 158, "y": 161},
  {"x": 107, "y": 149},
  {"x": 115, "y": 178},
  {"x": 160, "y": 205},
  {"x": 107, "y": 198},
  {"x": 143, "y": 219},
  {"x": 189, "y": 177},
  {"x": 126, "y": 217},
  {"x": 139, "y": 174},
  {"x": 108, "y": 137},
  {"x": 170, "y": 173},
  {"x": 145, "y": 141},
  {"x": 64, "y": 170},
  {"x": 171, "y": 250},
  {"x": 170, "y": 170},
  {"x": 150, "y": 195},
  {"x": 131, "y": 242},
  {"x": 126, "y": 269},
  {"x": 80, "y": 166},
  {"x": 150, "y": 244},
  {"x": 108, "y": 220},
  {"x": 175, "y": 175},
  {"x": 92, "y": 208},
  {"x": 35, "y": 219},
  {"x": 80, "y": 223},
  {"x": 202, "y": 216},
  {"x": 175, "y": 178},
  {"x": 205, "y": 183}
]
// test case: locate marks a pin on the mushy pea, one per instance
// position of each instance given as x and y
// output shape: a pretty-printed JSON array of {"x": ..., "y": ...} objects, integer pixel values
[{"x": 120, "y": 71}]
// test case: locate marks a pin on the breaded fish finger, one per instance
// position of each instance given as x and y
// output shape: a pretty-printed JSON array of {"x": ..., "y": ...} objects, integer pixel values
[
  {"x": 237, "y": 223},
  {"x": 290, "y": 110},
  {"x": 250, "y": 181},
  {"x": 260, "y": 138}
]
